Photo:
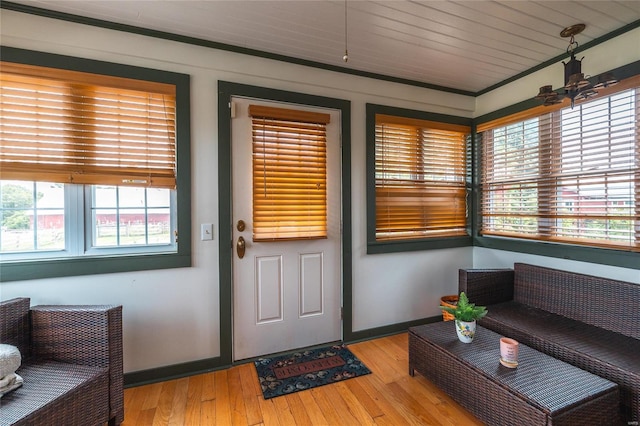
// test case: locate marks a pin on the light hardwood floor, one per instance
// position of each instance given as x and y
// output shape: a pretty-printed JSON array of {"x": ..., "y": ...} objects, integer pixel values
[{"x": 389, "y": 396}]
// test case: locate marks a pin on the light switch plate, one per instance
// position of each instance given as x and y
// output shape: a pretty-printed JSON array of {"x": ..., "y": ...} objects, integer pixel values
[{"x": 206, "y": 231}]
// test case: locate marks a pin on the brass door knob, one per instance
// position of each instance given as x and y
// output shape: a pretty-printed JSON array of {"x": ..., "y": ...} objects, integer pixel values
[{"x": 241, "y": 247}]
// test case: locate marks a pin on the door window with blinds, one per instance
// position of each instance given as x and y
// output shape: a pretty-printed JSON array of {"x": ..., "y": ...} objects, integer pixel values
[
  {"x": 420, "y": 179},
  {"x": 568, "y": 176},
  {"x": 289, "y": 174},
  {"x": 87, "y": 163}
]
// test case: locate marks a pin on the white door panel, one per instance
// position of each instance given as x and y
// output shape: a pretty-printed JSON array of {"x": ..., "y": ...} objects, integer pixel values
[{"x": 286, "y": 294}]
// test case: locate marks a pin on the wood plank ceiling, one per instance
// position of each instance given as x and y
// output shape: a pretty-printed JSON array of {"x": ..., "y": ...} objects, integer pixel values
[{"x": 463, "y": 45}]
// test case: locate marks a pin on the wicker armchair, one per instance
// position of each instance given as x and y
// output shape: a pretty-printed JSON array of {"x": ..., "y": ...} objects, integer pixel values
[{"x": 71, "y": 364}]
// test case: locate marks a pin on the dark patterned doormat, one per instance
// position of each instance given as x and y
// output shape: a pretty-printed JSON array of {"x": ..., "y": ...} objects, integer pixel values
[{"x": 307, "y": 369}]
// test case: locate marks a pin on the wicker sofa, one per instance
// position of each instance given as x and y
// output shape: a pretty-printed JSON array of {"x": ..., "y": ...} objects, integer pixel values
[
  {"x": 71, "y": 364},
  {"x": 590, "y": 322}
]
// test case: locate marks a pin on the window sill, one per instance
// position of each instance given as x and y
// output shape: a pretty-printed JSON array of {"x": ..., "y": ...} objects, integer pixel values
[
  {"x": 396, "y": 246},
  {"x": 66, "y": 267},
  {"x": 620, "y": 258}
]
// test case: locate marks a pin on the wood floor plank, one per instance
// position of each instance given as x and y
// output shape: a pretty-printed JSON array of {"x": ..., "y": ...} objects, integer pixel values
[
  {"x": 328, "y": 410},
  {"x": 153, "y": 396},
  {"x": 145, "y": 417},
  {"x": 387, "y": 397},
  {"x": 179, "y": 404},
  {"x": 383, "y": 401},
  {"x": 419, "y": 409},
  {"x": 134, "y": 400},
  {"x": 129, "y": 397},
  {"x": 194, "y": 400},
  {"x": 393, "y": 357},
  {"x": 387, "y": 391},
  {"x": 298, "y": 410},
  {"x": 165, "y": 401},
  {"x": 208, "y": 386},
  {"x": 364, "y": 398},
  {"x": 446, "y": 406},
  {"x": 222, "y": 400},
  {"x": 250, "y": 393},
  {"x": 355, "y": 406},
  {"x": 367, "y": 352},
  {"x": 269, "y": 413},
  {"x": 396, "y": 351},
  {"x": 238, "y": 407},
  {"x": 340, "y": 405},
  {"x": 282, "y": 409},
  {"x": 400, "y": 340},
  {"x": 313, "y": 409},
  {"x": 207, "y": 412}
]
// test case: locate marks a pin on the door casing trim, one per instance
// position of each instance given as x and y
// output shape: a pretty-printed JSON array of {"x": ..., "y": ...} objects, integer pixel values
[{"x": 227, "y": 90}]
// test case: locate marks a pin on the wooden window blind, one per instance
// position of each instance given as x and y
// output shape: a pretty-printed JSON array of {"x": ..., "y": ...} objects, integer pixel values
[
  {"x": 289, "y": 174},
  {"x": 74, "y": 127},
  {"x": 420, "y": 175},
  {"x": 570, "y": 176}
]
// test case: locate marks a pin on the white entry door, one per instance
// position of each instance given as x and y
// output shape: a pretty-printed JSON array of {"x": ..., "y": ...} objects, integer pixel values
[{"x": 286, "y": 292}]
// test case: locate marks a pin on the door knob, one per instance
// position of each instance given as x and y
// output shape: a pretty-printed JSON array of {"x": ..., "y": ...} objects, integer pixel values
[{"x": 241, "y": 247}]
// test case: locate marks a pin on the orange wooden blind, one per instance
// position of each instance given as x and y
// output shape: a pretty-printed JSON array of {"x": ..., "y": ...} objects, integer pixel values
[
  {"x": 572, "y": 175},
  {"x": 289, "y": 174},
  {"x": 72, "y": 127},
  {"x": 420, "y": 179}
]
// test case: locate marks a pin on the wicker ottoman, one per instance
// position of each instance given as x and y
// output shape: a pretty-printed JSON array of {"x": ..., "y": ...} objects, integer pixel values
[{"x": 541, "y": 391}]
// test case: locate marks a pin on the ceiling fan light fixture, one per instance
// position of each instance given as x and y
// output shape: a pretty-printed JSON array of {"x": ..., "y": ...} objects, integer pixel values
[
  {"x": 545, "y": 91},
  {"x": 549, "y": 96},
  {"x": 577, "y": 87},
  {"x": 553, "y": 100},
  {"x": 605, "y": 80}
]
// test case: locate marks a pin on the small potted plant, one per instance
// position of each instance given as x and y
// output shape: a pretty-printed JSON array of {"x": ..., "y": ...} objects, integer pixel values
[{"x": 465, "y": 315}]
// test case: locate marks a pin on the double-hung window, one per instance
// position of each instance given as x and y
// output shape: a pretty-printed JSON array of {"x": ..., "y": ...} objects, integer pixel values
[
  {"x": 88, "y": 170},
  {"x": 418, "y": 175},
  {"x": 569, "y": 176}
]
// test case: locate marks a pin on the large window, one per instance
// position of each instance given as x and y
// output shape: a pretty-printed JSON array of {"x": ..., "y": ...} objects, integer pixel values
[
  {"x": 88, "y": 168},
  {"x": 568, "y": 176},
  {"x": 420, "y": 179}
]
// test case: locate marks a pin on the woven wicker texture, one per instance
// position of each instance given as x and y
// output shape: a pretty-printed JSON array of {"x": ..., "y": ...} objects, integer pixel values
[
  {"x": 86, "y": 338},
  {"x": 14, "y": 324},
  {"x": 590, "y": 346},
  {"x": 88, "y": 335},
  {"x": 486, "y": 286},
  {"x": 594, "y": 349},
  {"x": 609, "y": 304},
  {"x": 541, "y": 391},
  {"x": 74, "y": 394}
]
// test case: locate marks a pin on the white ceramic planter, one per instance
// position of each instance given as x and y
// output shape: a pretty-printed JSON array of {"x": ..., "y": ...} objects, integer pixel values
[{"x": 466, "y": 330}]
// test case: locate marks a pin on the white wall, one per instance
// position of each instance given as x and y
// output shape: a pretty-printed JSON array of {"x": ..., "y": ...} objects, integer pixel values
[
  {"x": 489, "y": 258},
  {"x": 172, "y": 316}
]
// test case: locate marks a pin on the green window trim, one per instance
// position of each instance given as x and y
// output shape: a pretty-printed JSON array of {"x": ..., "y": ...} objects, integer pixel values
[
  {"x": 75, "y": 266},
  {"x": 375, "y": 246},
  {"x": 602, "y": 256}
]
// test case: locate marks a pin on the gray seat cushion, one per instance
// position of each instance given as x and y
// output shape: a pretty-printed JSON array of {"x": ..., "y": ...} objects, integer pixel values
[{"x": 51, "y": 390}]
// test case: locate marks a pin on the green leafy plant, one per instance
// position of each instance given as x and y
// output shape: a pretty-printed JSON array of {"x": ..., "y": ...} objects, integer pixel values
[{"x": 465, "y": 311}]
